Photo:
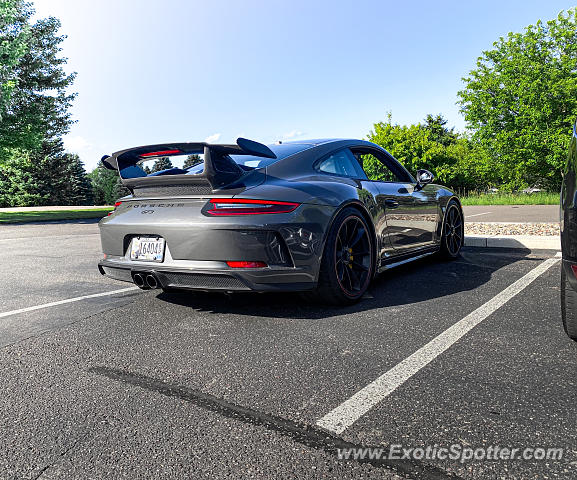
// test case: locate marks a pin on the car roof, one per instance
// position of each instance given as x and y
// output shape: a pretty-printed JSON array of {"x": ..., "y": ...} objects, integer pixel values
[{"x": 315, "y": 141}]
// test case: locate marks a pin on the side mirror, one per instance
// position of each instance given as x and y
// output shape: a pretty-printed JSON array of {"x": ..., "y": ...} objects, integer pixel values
[{"x": 424, "y": 177}]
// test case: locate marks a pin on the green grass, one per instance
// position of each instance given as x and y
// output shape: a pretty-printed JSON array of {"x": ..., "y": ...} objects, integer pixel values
[
  {"x": 42, "y": 216},
  {"x": 541, "y": 198}
]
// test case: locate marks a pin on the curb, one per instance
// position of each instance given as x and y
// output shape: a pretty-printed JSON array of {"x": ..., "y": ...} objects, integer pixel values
[{"x": 532, "y": 242}]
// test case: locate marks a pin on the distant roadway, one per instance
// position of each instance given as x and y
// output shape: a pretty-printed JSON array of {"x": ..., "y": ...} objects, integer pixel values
[{"x": 512, "y": 213}]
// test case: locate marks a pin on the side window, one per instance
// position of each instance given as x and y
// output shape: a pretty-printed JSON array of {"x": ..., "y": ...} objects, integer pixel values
[
  {"x": 341, "y": 163},
  {"x": 380, "y": 169}
]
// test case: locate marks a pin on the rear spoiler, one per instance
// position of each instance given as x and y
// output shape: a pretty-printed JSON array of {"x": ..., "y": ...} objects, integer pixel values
[{"x": 219, "y": 168}]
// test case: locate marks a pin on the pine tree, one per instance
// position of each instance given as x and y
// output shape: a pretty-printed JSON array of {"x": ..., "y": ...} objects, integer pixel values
[
  {"x": 34, "y": 103},
  {"x": 163, "y": 163},
  {"x": 192, "y": 160},
  {"x": 61, "y": 175},
  {"x": 14, "y": 33},
  {"x": 36, "y": 109},
  {"x": 77, "y": 188},
  {"x": 20, "y": 184}
]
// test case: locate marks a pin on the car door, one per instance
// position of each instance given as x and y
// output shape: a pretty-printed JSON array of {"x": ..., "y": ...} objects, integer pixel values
[
  {"x": 342, "y": 163},
  {"x": 410, "y": 211}
]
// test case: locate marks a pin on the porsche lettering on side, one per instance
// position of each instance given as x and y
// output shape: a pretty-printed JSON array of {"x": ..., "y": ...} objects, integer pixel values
[{"x": 323, "y": 216}]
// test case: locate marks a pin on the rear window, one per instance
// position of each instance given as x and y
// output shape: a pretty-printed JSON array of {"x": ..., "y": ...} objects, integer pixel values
[{"x": 281, "y": 151}]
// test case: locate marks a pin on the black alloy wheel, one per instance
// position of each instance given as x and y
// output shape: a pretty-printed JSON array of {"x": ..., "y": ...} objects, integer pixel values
[
  {"x": 453, "y": 232},
  {"x": 352, "y": 255},
  {"x": 348, "y": 261}
]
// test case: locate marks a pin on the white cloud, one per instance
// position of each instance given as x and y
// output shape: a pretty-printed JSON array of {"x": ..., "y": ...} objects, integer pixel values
[
  {"x": 212, "y": 138},
  {"x": 76, "y": 144},
  {"x": 292, "y": 134}
]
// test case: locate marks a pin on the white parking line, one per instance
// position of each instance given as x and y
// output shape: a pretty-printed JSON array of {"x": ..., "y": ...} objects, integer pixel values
[
  {"x": 361, "y": 402},
  {"x": 63, "y": 302},
  {"x": 477, "y": 214}
]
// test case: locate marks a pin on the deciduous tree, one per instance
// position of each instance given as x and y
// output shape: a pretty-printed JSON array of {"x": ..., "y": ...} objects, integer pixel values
[
  {"x": 521, "y": 99},
  {"x": 431, "y": 145}
]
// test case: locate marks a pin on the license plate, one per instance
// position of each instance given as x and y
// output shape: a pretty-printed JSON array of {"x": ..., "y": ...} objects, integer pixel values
[{"x": 147, "y": 249}]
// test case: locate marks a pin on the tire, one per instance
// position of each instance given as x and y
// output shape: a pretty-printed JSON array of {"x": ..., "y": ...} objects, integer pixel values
[
  {"x": 348, "y": 261},
  {"x": 453, "y": 233},
  {"x": 568, "y": 307}
]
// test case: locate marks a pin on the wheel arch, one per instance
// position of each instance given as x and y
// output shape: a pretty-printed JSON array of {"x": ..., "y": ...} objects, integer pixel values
[
  {"x": 361, "y": 208},
  {"x": 455, "y": 199}
]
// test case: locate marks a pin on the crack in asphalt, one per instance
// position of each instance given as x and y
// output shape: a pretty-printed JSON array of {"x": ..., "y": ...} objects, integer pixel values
[
  {"x": 305, "y": 434},
  {"x": 62, "y": 455}
]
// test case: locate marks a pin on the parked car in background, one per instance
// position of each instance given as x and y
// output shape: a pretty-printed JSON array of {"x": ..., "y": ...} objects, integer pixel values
[
  {"x": 533, "y": 189},
  {"x": 569, "y": 241},
  {"x": 300, "y": 216}
]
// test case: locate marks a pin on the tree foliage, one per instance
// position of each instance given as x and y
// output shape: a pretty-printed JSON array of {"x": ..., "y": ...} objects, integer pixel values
[
  {"x": 14, "y": 37},
  {"x": 454, "y": 160},
  {"x": 37, "y": 110},
  {"x": 106, "y": 186},
  {"x": 192, "y": 160},
  {"x": 19, "y": 183},
  {"x": 521, "y": 99},
  {"x": 34, "y": 168},
  {"x": 163, "y": 163},
  {"x": 48, "y": 176}
]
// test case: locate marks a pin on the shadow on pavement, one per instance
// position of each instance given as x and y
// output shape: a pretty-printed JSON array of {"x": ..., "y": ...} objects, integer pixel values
[{"x": 411, "y": 283}]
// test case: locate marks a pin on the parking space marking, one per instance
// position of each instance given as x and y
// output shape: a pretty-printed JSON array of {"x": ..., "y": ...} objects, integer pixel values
[
  {"x": 477, "y": 214},
  {"x": 347, "y": 413},
  {"x": 64, "y": 302}
]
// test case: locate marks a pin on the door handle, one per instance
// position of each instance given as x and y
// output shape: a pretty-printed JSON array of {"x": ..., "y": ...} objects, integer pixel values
[{"x": 391, "y": 203}]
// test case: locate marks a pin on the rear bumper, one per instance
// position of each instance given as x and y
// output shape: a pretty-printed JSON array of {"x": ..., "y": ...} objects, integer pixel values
[
  {"x": 216, "y": 278},
  {"x": 198, "y": 247}
]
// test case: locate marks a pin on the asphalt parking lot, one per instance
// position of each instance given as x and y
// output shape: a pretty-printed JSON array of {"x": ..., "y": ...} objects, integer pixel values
[{"x": 144, "y": 384}]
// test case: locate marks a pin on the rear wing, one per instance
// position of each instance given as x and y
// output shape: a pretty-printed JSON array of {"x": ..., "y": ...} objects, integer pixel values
[{"x": 219, "y": 168}]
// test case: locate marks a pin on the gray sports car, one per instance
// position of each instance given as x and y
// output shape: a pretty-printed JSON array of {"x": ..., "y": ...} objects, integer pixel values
[{"x": 301, "y": 216}]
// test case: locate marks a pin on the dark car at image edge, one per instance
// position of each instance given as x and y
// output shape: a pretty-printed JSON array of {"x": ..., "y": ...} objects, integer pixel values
[
  {"x": 568, "y": 223},
  {"x": 295, "y": 216}
]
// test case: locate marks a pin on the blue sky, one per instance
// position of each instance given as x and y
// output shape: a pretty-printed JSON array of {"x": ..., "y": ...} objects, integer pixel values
[{"x": 176, "y": 70}]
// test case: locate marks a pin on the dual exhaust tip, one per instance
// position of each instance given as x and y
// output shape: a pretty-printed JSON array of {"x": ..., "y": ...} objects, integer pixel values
[{"x": 145, "y": 281}]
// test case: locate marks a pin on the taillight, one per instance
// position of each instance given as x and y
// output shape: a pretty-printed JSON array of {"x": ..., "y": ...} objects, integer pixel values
[
  {"x": 116, "y": 205},
  {"x": 246, "y": 264},
  {"x": 574, "y": 268},
  {"x": 159, "y": 153},
  {"x": 243, "y": 206}
]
